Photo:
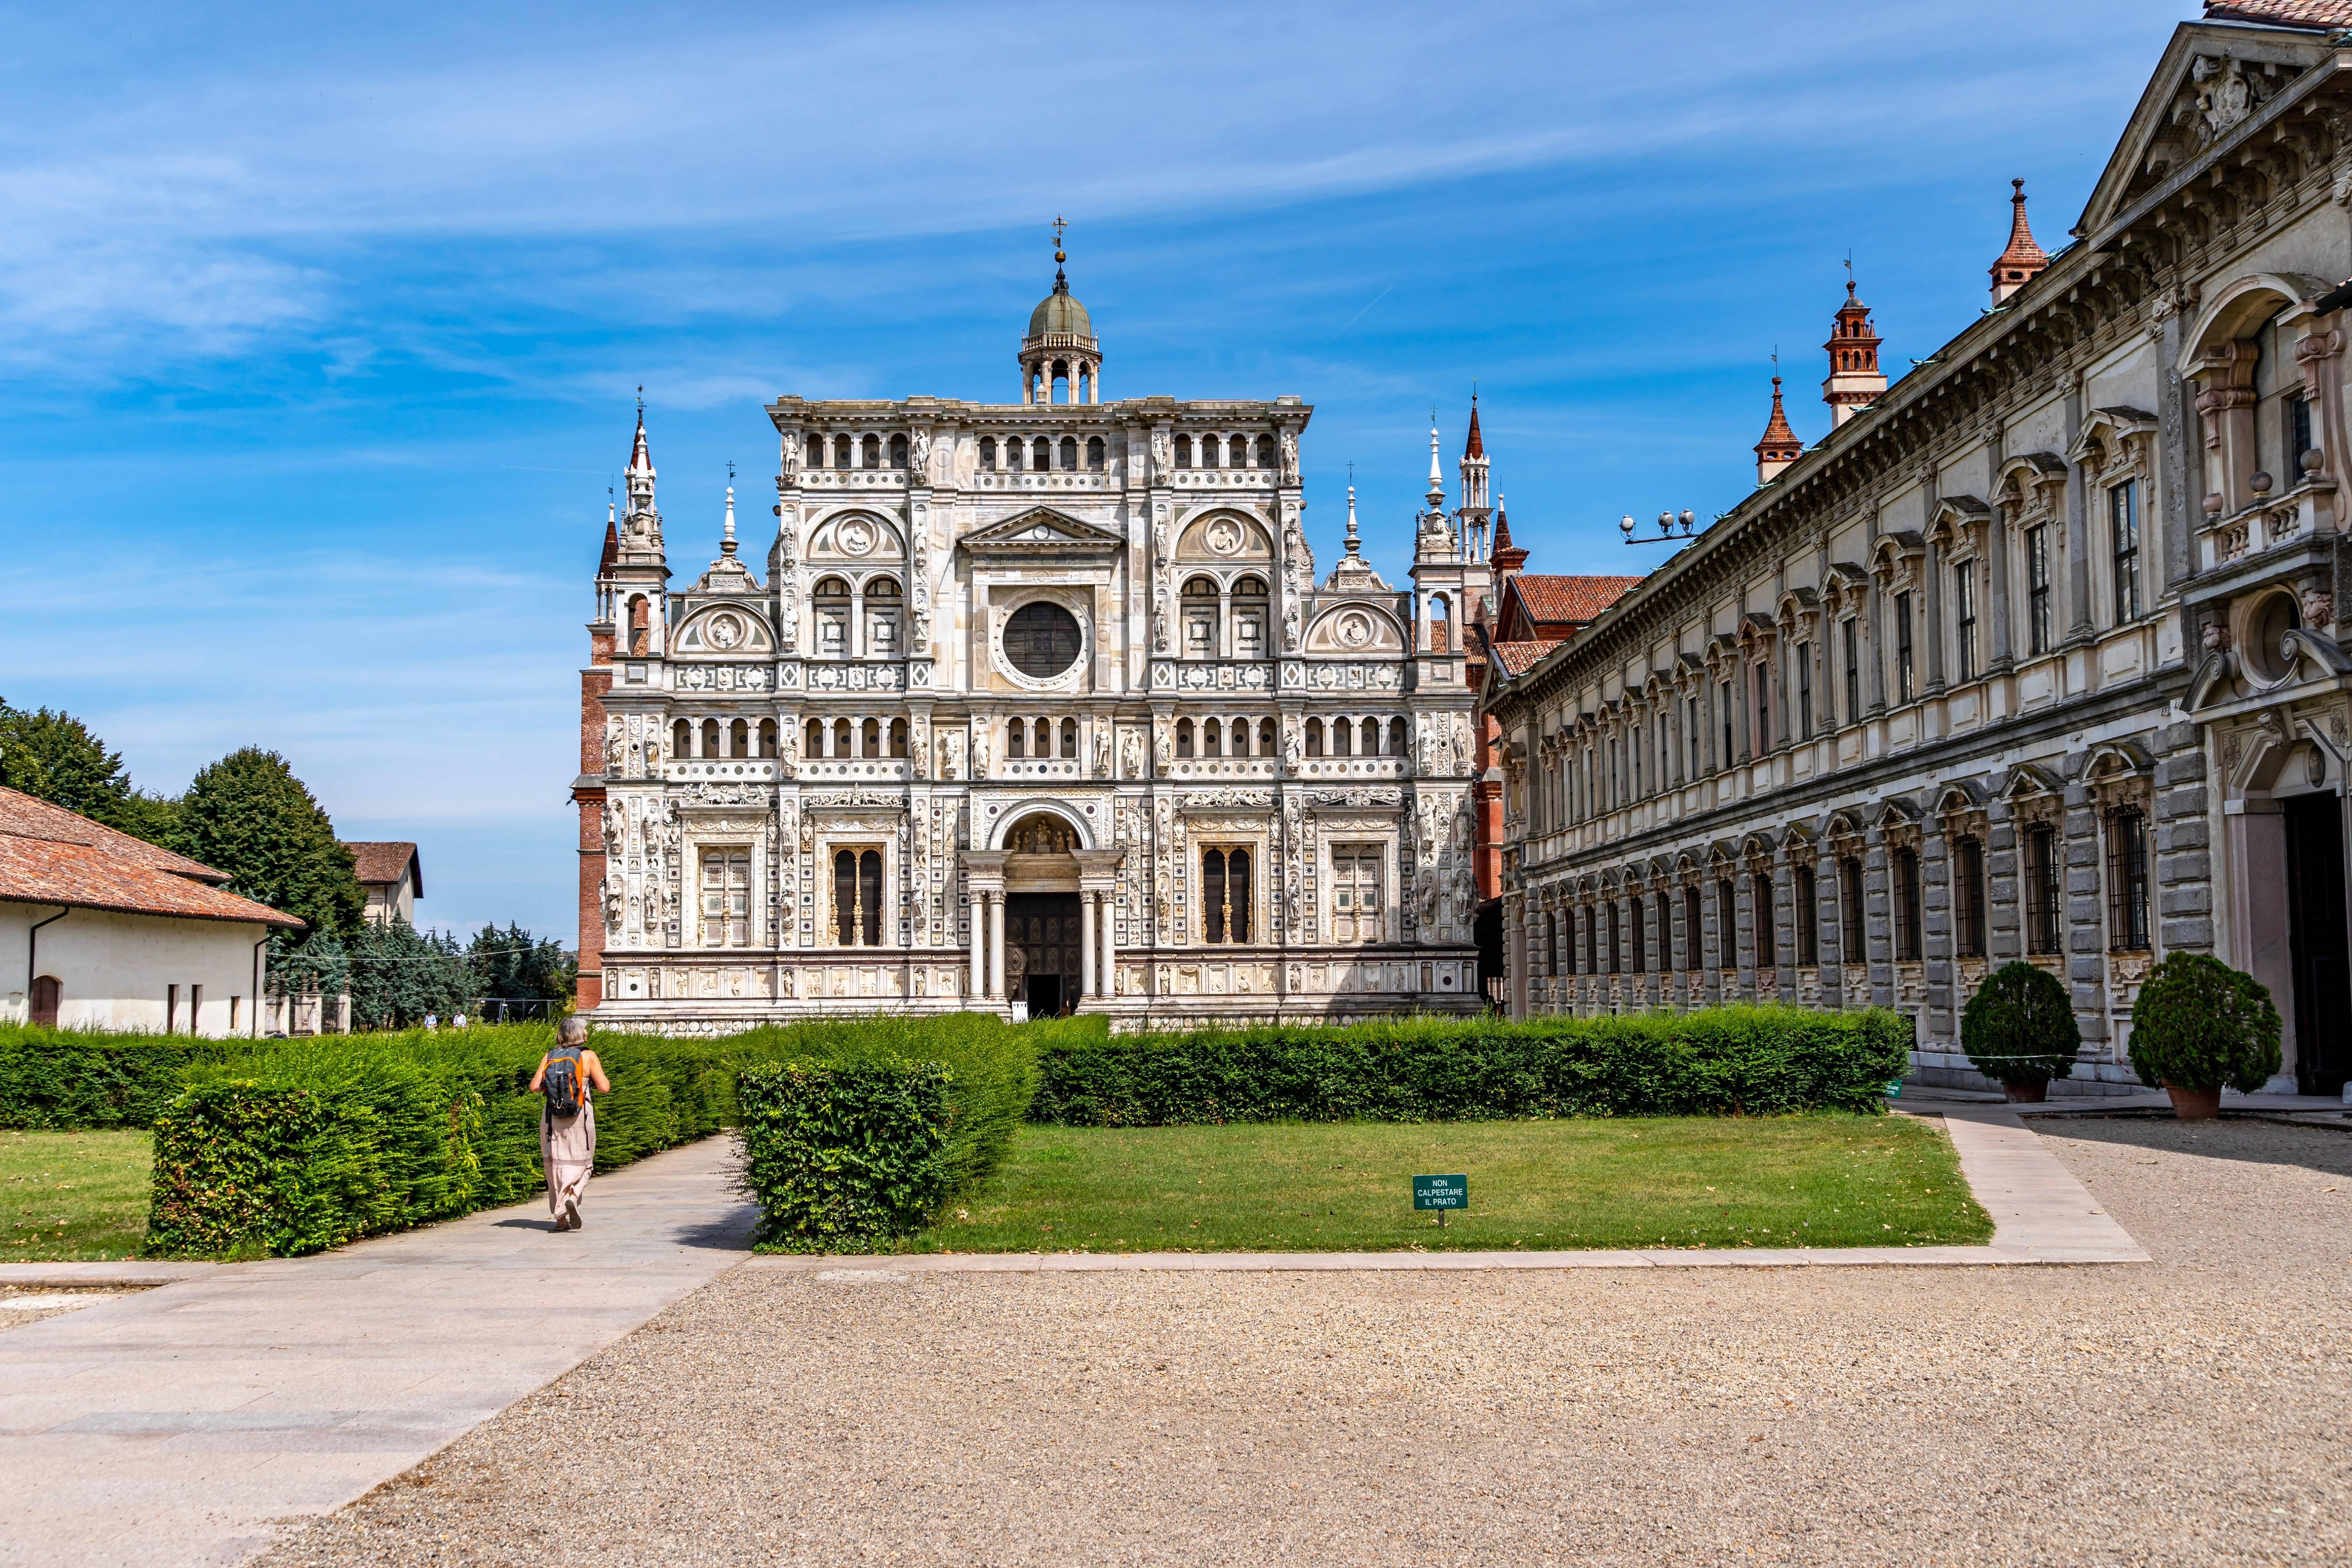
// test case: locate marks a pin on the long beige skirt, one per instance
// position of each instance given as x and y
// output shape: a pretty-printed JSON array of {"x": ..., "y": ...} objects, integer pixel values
[{"x": 567, "y": 1149}]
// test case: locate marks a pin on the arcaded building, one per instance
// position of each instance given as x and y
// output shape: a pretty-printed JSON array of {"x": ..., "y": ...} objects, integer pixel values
[
  {"x": 1038, "y": 701},
  {"x": 2034, "y": 653}
]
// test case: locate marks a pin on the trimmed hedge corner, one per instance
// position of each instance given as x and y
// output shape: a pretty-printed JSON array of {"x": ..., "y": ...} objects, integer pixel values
[
  {"x": 842, "y": 1155},
  {"x": 856, "y": 1133},
  {"x": 1719, "y": 1061}
]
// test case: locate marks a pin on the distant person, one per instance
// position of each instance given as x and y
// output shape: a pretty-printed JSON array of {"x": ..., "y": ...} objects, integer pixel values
[
  {"x": 567, "y": 1121},
  {"x": 458, "y": 1022},
  {"x": 432, "y": 1021}
]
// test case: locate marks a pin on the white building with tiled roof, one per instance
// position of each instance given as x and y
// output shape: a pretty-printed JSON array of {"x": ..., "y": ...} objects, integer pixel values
[{"x": 102, "y": 930}]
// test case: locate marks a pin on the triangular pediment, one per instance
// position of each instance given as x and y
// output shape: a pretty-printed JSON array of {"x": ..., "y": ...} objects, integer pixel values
[
  {"x": 2211, "y": 85},
  {"x": 1042, "y": 529}
]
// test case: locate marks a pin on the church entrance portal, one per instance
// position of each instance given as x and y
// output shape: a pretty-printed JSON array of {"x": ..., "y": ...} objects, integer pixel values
[
  {"x": 1044, "y": 928},
  {"x": 2315, "y": 924}
]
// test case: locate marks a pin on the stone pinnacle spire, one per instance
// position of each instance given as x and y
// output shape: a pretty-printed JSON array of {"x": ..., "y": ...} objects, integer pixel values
[
  {"x": 2023, "y": 260},
  {"x": 1779, "y": 447}
]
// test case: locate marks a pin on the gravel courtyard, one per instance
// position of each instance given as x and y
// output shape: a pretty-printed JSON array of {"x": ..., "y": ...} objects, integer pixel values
[{"x": 2193, "y": 1412}]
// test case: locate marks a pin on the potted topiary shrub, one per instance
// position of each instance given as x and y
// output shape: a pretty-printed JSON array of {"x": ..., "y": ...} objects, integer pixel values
[
  {"x": 2019, "y": 1028},
  {"x": 2200, "y": 1026}
]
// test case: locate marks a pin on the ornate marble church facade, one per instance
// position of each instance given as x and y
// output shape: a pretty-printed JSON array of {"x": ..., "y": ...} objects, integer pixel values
[{"x": 1036, "y": 702}]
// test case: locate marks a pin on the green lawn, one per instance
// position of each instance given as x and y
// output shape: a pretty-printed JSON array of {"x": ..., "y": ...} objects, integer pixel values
[
  {"x": 1794, "y": 1181},
  {"x": 72, "y": 1195}
]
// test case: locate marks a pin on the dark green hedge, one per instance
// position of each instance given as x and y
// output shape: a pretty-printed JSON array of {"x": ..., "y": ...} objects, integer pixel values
[
  {"x": 1718, "y": 1061},
  {"x": 72, "y": 1079}
]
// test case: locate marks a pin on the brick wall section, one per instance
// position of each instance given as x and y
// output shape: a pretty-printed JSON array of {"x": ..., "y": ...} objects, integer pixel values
[{"x": 593, "y": 685}]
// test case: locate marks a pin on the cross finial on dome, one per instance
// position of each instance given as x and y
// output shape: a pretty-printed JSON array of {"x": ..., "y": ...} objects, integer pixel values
[{"x": 1061, "y": 283}]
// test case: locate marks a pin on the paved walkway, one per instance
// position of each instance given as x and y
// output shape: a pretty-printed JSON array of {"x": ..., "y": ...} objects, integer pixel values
[
  {"x": 174, "y": 1426},
  {"x": 2040, "y": 1213}
]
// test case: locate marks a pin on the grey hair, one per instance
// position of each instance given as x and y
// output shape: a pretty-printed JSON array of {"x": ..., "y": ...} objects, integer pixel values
[{"x": 572, "y": 1032}]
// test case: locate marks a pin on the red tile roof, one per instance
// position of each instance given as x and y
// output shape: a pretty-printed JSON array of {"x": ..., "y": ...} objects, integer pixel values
[
  {"x": 2313, "y": 14},
  {"x": 51, "y": 856},
  {"x": 1519, "y": 657},
  {"x": 384, "y": 862},
  {"x": 1562, "y": 598}
]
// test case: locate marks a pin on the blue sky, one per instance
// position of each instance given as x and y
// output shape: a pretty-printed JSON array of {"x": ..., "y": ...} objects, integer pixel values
[{"x": 319, "y": 331}]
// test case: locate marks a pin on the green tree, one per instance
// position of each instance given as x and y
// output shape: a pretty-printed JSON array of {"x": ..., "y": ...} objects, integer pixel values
[
  {"x": 514, "y": 965},
  {"x": 248, "y": 816},
  {"x": 2199, "y": 1025},
  {"x": 2020, "y": 1027},
  {"x": 53, "y": 756},
  {"x": 399, "y": 974}
]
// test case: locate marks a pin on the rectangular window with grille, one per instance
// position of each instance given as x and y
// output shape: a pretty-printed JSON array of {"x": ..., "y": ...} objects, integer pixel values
[
  {"x": 1852, "y": 638},
  {"x": 1640, "y": 934},
  {"x": 2123, "y": 515},
  {"x": 2298, "y": 439},
  {"x": 2037, "y": 589},
  {"x": 1964, "y": 612},
  {"x": 2041, "y": 896},
  {"x": 1903, "y": 648},
  {"x": 1616, "y": 937},
  {"x": 2126, "y": 881},
  {"x": 1808, "y": 917},
  {"x": 1726, "y": 924},
  {"x": 1763, "y": 709},
  {"x": 1691, "y": 921},
  {"x": 1359, "y": 899},
  {"x": 1904, "y": 866},
  {"x": 1759, "y": 892},
  {"x": 1805, "y": 691},
  {"x": 1853, "y": 943},
  {"x": 726, "y": 898},
  {"x": 1692, "y": 728},
  {"x": 1723, "y": 700},
  {"x": 1968, "y": 895}
]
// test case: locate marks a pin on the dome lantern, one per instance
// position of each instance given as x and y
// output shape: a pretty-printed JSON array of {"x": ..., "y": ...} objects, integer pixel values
[{"x": 1061, "y": 345}]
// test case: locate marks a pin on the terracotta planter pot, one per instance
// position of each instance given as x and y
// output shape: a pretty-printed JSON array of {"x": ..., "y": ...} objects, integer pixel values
[
  {"x": 2194, "y": 1104},
  {"x": 2027, "y": 1093}
]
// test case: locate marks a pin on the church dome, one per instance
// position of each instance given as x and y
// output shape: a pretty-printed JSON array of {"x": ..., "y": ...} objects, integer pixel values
[{"x": 1060, "y": 313}]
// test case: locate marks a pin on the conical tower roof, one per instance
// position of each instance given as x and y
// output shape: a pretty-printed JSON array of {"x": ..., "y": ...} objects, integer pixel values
[
  {"x": 1777, "y": 433},
  {"x": 2023, "y": 260}
]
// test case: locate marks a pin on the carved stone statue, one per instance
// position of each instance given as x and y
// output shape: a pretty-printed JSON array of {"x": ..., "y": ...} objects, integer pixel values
[
  {"x": 1290, "y": 628},
  {"x": 922, "y": 756},
  {"x": 1102, "y": 753},
  {"x": 1290, "y": 749},
  {"x": 1162, "y": 751},
  {"x": 980, "y": 754},
  {"x": 1130, "y": 755},
  {"x": 920, "y": 464},
  {"x": 1160, "y": 461},
  {"x": 1289, "y": 458}
]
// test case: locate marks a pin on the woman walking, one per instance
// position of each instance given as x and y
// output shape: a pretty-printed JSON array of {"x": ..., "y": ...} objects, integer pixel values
[{"x": 567, "y": 1121}]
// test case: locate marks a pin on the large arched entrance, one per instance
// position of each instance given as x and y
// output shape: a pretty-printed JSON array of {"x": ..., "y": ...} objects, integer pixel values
[{"x": 1043, "y": 932}]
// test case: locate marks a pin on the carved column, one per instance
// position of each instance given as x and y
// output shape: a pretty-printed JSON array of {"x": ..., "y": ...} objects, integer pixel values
[
  {"x": 1086, "y": 944},
  {"x": 996, "y": 945}
]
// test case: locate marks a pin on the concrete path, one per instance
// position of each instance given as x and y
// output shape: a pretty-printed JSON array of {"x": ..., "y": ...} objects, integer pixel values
[
  {"x": 2040, "y": 1213},
  {"x": 177, "y": 1426}
]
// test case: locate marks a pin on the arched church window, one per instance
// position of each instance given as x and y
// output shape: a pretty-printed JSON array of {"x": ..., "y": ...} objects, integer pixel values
[
  {"x": 1184, "y": 737},
  {"x": 831, "y": 603},
  {"x": 710, "y": 738},
  {"x": 1041, "y": 454},
  {"x": 897, "y": 451},
  {"x": 988, "y": 454},
  {"x": 1042, "y": 639},
  {"x": 1266, "y": 450},
  {"x": 1069, "y": 737},
  {"x": 883, "y": 621},
  {"x": 1240, "y": 452},
  {"x": 1095, "y": 454},
  {"x": 1012, "y": 453},
  {"x": 1070, "y": 453},
  {"x": 872, "y": 735},
  {"x": 767, "y": 737},
  {"x": 1212, "y": 450},
  {"x": 1201, "y": 618},
  {"x": 815, "y": 451},
  {"x": 1212, "y": 738},
  {"x": 1250, "y": 618},
  {"x": 1371, "y": 738},
  {"x": 1041, "y": 739},
  {"x": 1016, "y": 739},
  {"x": 841, "y": 739},
  {"x": 814, "y": 742},
  {"x": 874, "y": 451},
  {"x": 1343, "y": 737},
  {"x": 1266, "y": 737},
  {"x": 1184, "y": 451},
  {"x": 1399, "y": 745},
  {"x": 898, "y": 737},
  {"x": 1315, "y": 737},
  {"x": 681, "y": 740},
  {"x": 841, "y": 458},
  {"x": 639, "y": 621},
  {"x": 739, "y": 738}
]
